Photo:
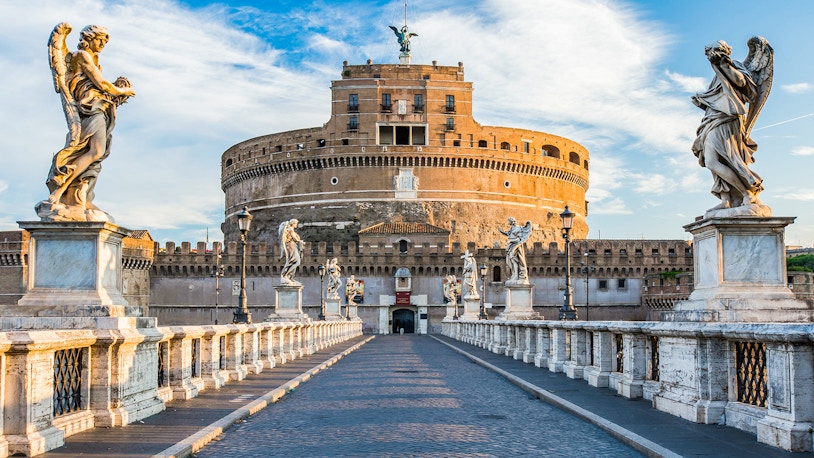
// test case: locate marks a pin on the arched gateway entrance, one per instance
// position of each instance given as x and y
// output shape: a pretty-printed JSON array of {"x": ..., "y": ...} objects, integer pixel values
[{"x": 403, "y": 318}]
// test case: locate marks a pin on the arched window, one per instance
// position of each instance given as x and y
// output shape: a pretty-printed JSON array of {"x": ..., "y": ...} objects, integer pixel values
[
  {"x": 551, "y": 151},
  {"x": 482, "y": 144},
  {"x": 573, "y": 158},
  {"x": 402, "y": 246},
  {"x": 505, "y": 145}
]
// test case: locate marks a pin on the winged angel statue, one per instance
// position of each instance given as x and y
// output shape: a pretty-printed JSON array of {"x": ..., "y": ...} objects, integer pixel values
[
  {"x": 516, "y": 252},
  {"x": 89, "y": 102},
  {"x": 731, "y": 106},
  {"x": 291, "y": 246},
  {"x": 403, "y": 37}
]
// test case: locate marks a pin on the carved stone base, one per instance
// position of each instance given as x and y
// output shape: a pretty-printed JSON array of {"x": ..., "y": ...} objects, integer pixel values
[
  {"x": 471, "y": 308},
  {"x": 740, "y": 273},
  {"x": 518, "y": 303},
  {"x": 74, "y": 279},
  {"x": 289, "y": 304},
  {"x": 333, "y": 310}
]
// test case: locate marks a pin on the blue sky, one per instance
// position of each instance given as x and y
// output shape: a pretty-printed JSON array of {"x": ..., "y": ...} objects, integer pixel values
[{"x": 616, "y": 76}]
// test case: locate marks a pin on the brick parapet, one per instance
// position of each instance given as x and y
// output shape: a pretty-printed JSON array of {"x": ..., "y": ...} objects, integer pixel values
[{"x": 627, "y": 258}]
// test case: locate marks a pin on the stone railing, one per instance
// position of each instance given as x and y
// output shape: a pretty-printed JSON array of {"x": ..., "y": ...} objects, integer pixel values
[
  {"x": 754, "y": 377},
  {"x": 56, "y": 383}
]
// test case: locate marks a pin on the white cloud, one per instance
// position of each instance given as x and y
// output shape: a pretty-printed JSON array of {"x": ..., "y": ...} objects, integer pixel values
[
  {"x": 797, "y": 88},
  {"x": 803, "y": 151},
  {"x": 691, "y": 84},
  {"x": 805, "y": 195}
]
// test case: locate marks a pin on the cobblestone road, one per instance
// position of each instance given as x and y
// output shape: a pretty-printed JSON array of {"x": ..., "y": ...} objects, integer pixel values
[{"x": 412, "y": 396}]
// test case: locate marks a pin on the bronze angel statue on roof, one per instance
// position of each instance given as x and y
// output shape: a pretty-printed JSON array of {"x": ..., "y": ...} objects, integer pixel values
[
  {"x": 89, "y": 102},
  {"x": 731, "y": 106},
  {"x": 403, "y": 37}
]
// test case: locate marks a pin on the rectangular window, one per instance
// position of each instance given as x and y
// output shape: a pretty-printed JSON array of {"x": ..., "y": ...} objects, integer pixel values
[
  {"x": 402, "y": 135},
  {"x": 419, "y": 135},
  {"x": 526, "y": 147},
  {"x": 385, "y": 135},
  {"x": 353, "y": 123},
  {"x": 418, "y": 103},
  {"x": 450, "y": 107},
  {"x": 386, "y": 103},
  {"x": 353, "y": 102},
  {"x": 621, "y": 283},
  {"x": 603, "y": 284},
  {"x": 623, "y": 252},
  {"x": 450, "y": 124}
]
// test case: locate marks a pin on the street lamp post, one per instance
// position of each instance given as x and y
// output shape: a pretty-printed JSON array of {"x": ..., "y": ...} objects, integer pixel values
[
  {"x": 242, "y": 315},
  {"x": 218, "y": 274},
  {"x": 567, "y": 312},
  {"x": 321, "y": 270},
  {"x": 586, "y": 269},
  {"x": 482, "y": 315}
]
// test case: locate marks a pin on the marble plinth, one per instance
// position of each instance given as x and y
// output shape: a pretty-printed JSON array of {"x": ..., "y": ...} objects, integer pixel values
[
  {"x": 518, "y": 303},
  {"x": 471, "y": 308},
  {"x": 740, "y": 273},
  {"x": 74, "y": 279},
  {"x": 333, "y": 309},
  {"x": 289, "y": 304}
]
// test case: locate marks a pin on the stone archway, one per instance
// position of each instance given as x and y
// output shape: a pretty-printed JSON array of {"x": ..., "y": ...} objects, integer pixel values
[{"x": 403, "y": 318}]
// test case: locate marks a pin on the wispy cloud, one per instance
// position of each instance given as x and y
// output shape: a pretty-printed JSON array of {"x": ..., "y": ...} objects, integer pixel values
[
  {"x": 797, "y": 88},
  {"x": 686, "y": 83},
  {"x": 803, "y": 151}
]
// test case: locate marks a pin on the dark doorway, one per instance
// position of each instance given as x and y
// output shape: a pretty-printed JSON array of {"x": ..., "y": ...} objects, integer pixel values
[{"x": 403, "y": 318}]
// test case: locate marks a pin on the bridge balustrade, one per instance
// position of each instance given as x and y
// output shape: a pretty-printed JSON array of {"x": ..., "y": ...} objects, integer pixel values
[
  {"x": 753, "y": 376},
  {"x": 56, "y": 383}
]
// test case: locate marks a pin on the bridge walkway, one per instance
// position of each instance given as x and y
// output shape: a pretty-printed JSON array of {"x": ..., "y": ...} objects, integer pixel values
[{"x": 413, "y": 396}]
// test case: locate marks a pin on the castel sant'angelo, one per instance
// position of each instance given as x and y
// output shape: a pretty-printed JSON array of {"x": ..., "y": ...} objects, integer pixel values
[{"x": 401, "y": 146}]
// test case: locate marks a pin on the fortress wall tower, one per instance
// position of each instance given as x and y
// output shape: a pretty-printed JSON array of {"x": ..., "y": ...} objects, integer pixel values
[{"x": 402, "y": 146}]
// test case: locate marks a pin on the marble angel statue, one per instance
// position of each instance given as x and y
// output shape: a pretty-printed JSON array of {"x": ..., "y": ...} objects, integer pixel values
[
  {"x": 515, "y": 251},
  {"x": 291, "y": 247},
  {"x": 731, "y": 106},
  {"x": 470, "y": 279},
  {"x": 334, "y": 278},
  {"x": 89, "y": 102}
]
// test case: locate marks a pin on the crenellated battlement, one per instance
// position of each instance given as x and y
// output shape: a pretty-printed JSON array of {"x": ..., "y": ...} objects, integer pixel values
[{"x": 610, "y": 258}]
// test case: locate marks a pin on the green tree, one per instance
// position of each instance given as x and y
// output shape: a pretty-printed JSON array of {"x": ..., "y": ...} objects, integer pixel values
[{"x": 804, "y": 263}]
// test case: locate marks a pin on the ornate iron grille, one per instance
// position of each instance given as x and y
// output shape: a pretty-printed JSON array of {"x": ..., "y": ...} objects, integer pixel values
[
  {"x": 620, "y": 352},
  {"x": 162, "y": 378},
  {"x": 591, "y": 347},
  {"x": 195, "y": 349},
  {"x": 222, "y": 354},
  {"x": 750, "y": 364},
  {"x": 68, "y": 380},
  {"x": 654, "y": 358}
]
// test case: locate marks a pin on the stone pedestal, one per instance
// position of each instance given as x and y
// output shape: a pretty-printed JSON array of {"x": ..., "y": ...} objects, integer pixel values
[
  {"x": 333, "y": 309},
  {"x": 289, "y": 304},
  {"x": 471, "y": 308},
  {"x": 74, "y": 280},
  {"x": 740, "y": 273},
  {"x": 518, "y": 303}
]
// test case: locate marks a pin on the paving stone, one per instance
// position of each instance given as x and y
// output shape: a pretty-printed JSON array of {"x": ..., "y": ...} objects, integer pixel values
[{"x": 412, "y": 396}]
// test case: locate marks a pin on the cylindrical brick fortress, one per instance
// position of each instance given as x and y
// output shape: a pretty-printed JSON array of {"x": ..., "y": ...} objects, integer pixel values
[{"x": 401, "y": 145}]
